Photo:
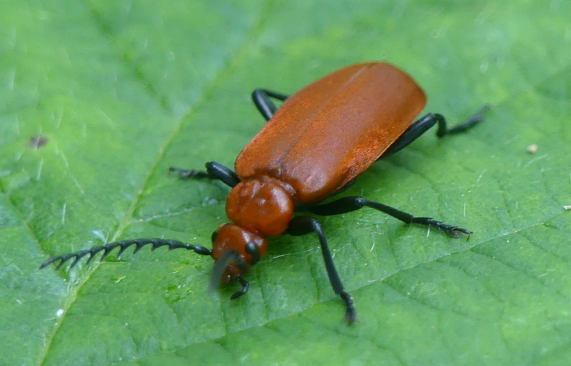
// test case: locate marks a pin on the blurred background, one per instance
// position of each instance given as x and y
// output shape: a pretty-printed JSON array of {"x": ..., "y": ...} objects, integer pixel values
[{"x": 99, "y": 98}]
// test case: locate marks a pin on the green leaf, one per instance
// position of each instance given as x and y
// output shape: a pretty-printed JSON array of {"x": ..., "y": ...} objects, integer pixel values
[{"x": 99, "y": 98}]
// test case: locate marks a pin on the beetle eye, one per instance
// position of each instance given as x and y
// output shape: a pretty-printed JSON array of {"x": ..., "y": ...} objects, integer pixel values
[{"x": 253, "y": 250}]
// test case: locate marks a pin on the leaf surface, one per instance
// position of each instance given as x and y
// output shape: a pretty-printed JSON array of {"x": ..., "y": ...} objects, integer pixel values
[{"x": 99, "y": 98}]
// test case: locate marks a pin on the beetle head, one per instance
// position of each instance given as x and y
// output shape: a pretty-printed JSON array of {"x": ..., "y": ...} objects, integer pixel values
[{"x": 235, "y": 249}]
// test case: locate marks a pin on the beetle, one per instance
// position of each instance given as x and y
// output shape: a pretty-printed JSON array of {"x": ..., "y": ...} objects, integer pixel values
[{"x": 317, "y": 143}]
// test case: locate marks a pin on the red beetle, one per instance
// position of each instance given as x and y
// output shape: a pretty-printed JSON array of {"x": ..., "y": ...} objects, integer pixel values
[{"x": 313, "y": 146}]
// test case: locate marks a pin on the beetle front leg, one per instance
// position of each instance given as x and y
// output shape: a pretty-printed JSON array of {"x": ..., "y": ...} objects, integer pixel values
[{"x": 214, "y": 170}]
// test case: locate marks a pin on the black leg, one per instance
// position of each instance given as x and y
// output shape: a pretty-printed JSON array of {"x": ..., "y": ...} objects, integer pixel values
[
  {"x": 214, "y": 170},
  {"x": 243, "y": 290},
  {"x": 302, "y": 225},
  {"x": 122, "y": 245},
  {"x": 422, "y": 125},
  {"x": 348, "y": 204},
  {"x": 261, "y": 98}
]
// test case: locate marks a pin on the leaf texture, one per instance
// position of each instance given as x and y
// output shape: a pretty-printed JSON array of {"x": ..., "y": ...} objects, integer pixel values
[{"x": 99, "y": 98}]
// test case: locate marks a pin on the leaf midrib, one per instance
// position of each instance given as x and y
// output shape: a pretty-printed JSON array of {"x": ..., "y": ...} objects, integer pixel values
[
  {"x": 126, "y": 221},
  {"x": 251, "y": 33}
]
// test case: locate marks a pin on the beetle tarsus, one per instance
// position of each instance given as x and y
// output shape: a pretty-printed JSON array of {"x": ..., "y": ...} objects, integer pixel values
[
  {"x": 473, "y": 120},
  {"x": 214, "y": 170},
  {"x": 188, "y": 173},
  {"x": 450, "y": 230},
  {"x": 350, "y": 312},
  {"x": 469, "y": 123}
]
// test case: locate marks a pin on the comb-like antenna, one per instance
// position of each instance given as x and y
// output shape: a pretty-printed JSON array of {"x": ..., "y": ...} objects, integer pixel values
[{"x": 123, "y": 244}]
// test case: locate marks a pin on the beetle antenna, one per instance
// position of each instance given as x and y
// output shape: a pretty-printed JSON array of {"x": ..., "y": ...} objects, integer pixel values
[{"x": 123, "y": 244}]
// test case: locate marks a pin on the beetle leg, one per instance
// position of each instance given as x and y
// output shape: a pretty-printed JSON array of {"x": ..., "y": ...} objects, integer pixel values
[
  {"x": 348, "y": 204},
  {"x": 261, "y": 98},
  {"x": 302, "y": 225},
  {"x": 214, "y": 170},
  {"x": 422, "y": 125},
  {"x": 243, "y": 290}
]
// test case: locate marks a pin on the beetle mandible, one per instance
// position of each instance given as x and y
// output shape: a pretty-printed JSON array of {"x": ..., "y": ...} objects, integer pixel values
[{"x": 314, "y": 145}]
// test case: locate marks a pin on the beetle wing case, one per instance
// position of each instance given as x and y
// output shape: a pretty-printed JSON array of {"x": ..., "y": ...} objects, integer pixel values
[{"x": 331, "y": 131}]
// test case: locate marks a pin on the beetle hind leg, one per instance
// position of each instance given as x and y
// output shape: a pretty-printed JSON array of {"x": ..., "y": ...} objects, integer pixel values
[
  {"x": 419, "y": 127},
  {"x": 262, "y": 99}
]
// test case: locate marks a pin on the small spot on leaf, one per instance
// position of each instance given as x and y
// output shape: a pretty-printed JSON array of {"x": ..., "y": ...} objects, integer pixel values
[
  {"x": 36, "y": 142},
  {"x": 532, "y": 149}
]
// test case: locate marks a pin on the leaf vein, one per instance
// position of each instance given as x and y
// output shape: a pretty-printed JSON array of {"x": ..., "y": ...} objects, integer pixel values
[{"x": 226, "y": 66}]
